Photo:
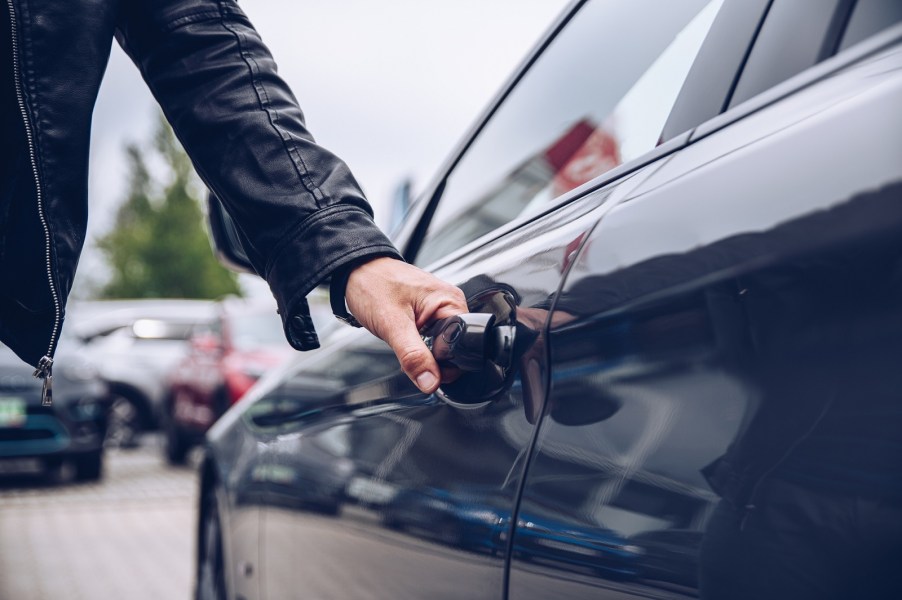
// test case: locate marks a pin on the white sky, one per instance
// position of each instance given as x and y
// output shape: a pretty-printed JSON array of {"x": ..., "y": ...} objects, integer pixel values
[{"x": 389, "y": 86}]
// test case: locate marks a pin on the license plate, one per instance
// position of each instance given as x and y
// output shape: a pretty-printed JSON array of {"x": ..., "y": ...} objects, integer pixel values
[
  {"x": 12, "y": 411},
  {"x": 20, "y": 466},
  {"x": 565, "y": 547}
]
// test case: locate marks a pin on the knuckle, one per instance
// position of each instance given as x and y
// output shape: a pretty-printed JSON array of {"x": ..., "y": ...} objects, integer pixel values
[{"x": 412, "y": 358}]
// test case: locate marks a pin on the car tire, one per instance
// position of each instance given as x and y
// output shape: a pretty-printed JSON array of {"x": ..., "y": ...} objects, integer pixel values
[
  {"x": 124, "y": 422},
  {"x": 448, "y": 534},
  {"x": 176, "y": 444},
  {"x": 53, "y": 470},
  {"x": 89, "y": 467},
  {"x": 211, "y": 564}
]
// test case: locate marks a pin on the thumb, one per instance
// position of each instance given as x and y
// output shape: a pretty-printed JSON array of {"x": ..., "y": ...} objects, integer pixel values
[
  {"x": 415, "y": 358},
  {"x": 390, "y": 297}
]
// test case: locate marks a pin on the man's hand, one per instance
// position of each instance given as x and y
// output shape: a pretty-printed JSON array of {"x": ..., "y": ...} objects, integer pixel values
[{"x": 394, "y": 300}]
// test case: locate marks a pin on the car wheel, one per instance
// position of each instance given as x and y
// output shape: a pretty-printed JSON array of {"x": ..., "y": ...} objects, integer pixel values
[
  {"x": 123, "y": 422},
  {"x": 448, "y": 534},
  {"x": 89, "y": 467},
  {"x": 176, "y": 444},
  {"x": 211, "y": 568}
]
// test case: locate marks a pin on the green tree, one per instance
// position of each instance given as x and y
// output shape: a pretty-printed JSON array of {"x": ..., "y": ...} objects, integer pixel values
[{"x": 157, "y": 247}]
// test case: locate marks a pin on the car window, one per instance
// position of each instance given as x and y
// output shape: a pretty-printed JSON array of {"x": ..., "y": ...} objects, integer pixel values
[
  {"x": 598, "y": 96},
  {"x": 158, "y": 329},
  {"x": 798, "y": 34},
  {"x": 791, "y": 40},
  {"x": 255, "y": 330},
  {"x": 870, "y": 17}
]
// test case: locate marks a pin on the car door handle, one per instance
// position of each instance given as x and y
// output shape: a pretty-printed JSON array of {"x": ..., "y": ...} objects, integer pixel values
[
  {"x": 469, "y": 340},
  {"x": 481, "y": 349}
]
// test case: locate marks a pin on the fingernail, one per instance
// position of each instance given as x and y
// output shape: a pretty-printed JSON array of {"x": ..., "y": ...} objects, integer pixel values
[{"x": 426, "y": 381}]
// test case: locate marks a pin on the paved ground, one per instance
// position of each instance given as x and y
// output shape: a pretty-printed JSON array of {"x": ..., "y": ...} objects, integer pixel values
[{"x": 130, "y": 536}]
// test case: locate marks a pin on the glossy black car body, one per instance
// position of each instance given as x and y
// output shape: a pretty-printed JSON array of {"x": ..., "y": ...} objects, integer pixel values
[
  {"x": 701, "y": 265},
  {"x": 72, "y": 429}
]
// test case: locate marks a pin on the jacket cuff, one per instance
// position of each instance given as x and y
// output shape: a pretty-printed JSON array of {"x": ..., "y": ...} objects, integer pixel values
[{"x": 325, "y": 242}]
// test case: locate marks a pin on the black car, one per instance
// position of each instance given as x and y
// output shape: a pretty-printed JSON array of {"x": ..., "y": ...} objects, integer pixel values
[
  {"x": 71, "y": 430},
  {"x": 679, "y": 228}
]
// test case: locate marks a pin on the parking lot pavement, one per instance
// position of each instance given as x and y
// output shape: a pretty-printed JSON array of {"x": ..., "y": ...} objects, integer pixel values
[{"x": 129, "y": 536}]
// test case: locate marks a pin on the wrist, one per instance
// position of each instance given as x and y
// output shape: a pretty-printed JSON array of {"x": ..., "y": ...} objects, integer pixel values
[{"x": 338, "y": 286}]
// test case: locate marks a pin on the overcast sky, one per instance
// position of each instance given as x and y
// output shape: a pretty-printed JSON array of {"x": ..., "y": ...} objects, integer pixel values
[{"x": 389, "y": 86}]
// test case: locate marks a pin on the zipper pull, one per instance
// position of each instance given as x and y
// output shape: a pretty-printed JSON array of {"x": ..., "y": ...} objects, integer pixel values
[{"x": 44, "y": 372}]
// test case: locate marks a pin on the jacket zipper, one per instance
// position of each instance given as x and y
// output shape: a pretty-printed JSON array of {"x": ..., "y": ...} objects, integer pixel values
[{"x": 44, "y": 368}]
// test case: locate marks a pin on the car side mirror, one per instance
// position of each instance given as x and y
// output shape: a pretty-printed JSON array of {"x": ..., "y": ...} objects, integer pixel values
[{"x": 226, "y": 239}]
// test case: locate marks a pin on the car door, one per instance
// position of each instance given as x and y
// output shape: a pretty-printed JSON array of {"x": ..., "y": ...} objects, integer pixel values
[
  {"x": 724, "y": 330},
  {"x": 376, "y": 490}
]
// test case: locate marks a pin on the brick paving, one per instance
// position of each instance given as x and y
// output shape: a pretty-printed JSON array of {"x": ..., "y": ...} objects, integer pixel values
[{"x": 130, "y": 536}]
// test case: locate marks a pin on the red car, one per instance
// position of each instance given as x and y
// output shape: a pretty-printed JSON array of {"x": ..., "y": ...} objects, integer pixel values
[{"x": 225, "y": 359}]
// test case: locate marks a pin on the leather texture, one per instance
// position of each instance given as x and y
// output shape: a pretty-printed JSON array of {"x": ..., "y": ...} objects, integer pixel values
[{"x": 297, "y": 205}]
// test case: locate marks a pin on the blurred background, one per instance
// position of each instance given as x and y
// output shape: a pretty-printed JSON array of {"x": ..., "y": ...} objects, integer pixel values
[{"x": 159, "y": 339}]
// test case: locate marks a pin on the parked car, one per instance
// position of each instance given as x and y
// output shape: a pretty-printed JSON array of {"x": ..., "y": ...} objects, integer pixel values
[
  {"x": 70, "y": 430},
  {"x": 469, "y": 522},
  {"x": 679, "y": 227},
  {"x": 135, "y": 344},
  {"x": 225, "y": 357},
  {"x": 575, "y": 547}
]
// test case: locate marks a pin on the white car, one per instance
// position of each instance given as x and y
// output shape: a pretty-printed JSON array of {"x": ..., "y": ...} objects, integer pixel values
[{"x": 135, "y": 344}]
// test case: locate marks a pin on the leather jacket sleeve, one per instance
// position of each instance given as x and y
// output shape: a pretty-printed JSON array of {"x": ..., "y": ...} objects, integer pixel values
[{"x": 297, "y": 205}]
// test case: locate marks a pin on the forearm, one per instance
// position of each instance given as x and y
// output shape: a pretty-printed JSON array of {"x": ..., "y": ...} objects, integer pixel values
[{"x": 297, "y": 204}]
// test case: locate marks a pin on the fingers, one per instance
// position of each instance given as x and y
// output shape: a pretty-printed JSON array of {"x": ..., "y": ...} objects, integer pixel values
[
  {"x": 395, "y": 300},
  {"x": 415, "y": 358},
  {"x": 440, "y": 305}
]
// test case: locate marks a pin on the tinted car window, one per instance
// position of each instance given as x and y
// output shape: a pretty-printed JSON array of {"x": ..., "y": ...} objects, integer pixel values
[
  {"x": 870, "y": 17},
  {"x": 798, "y": 34},
  {"x": 598, "y": 96},
  {"x": 790, "y": 41}
]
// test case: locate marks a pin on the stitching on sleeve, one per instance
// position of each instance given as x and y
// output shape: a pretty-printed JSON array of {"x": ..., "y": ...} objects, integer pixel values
[
  {"x": 298, "y": 228},
  {"x": 188, "y": 18},
  {"x": 263, "y": 99}
]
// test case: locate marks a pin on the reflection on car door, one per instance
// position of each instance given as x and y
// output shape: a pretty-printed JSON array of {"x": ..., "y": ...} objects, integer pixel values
[
  {"x": 375, "y": 490},
  {"x": 725, "y": 359}
]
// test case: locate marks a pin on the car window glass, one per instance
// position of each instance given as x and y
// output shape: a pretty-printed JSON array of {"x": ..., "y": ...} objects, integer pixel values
[
  {"x": 870, "y": 17},
  {"x": 256, "y": 330},
  {"x": 598, "y": 96},
  {"x": 213, "y": 327},
  {"x": 790, "y": 41},
  {"x": 799, "y": 34}
]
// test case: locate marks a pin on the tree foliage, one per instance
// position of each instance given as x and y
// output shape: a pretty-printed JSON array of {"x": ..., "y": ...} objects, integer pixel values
[{"x": 157, "y": 247}]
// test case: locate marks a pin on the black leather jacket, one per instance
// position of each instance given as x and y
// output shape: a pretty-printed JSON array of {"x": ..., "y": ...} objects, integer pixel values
[{"x": 302, "y": 214}]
